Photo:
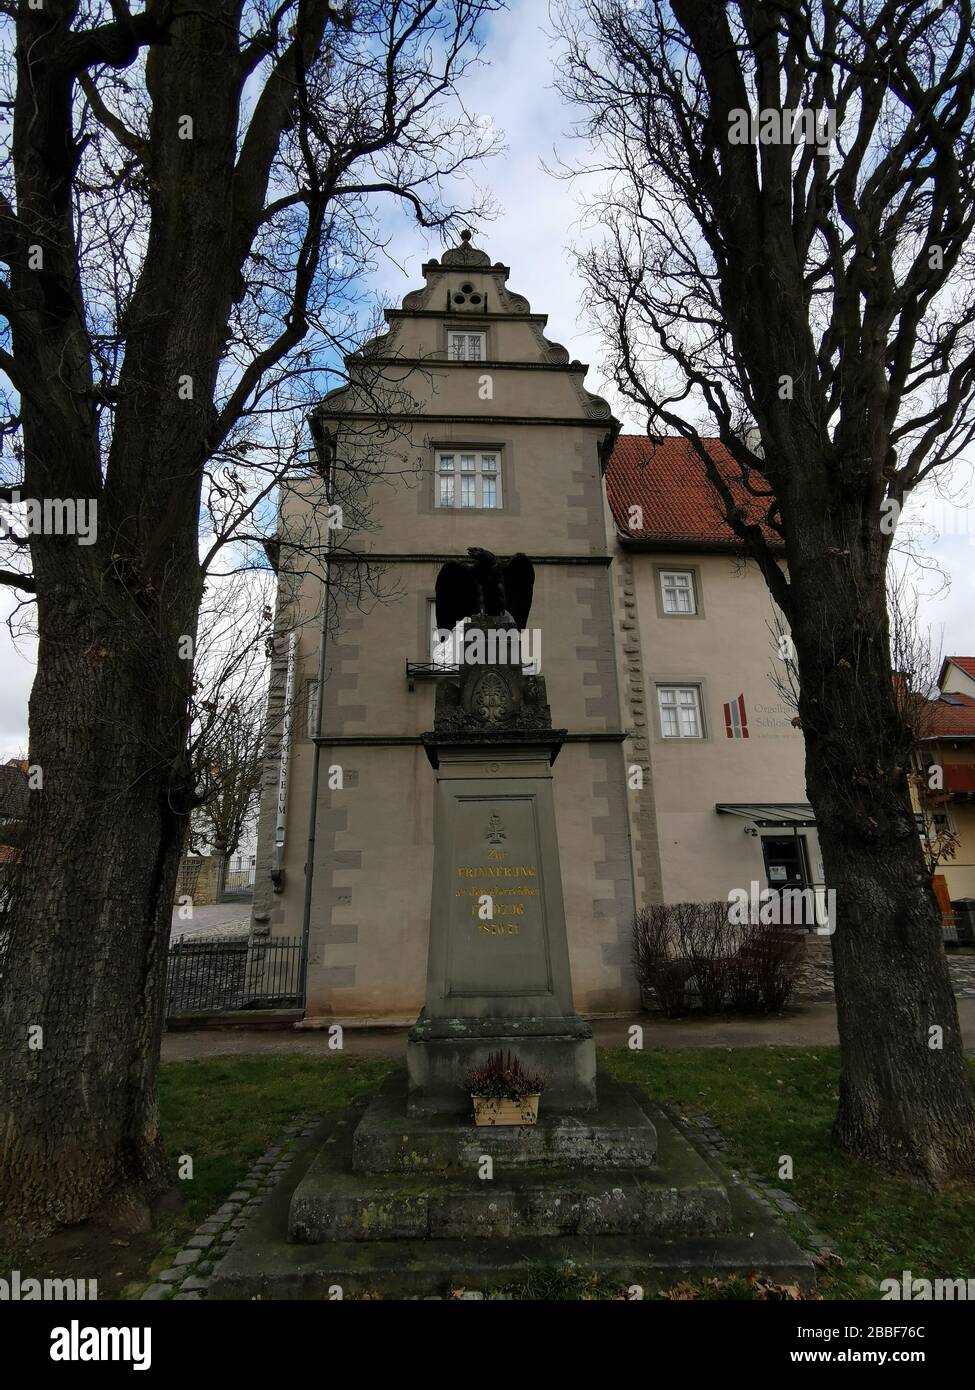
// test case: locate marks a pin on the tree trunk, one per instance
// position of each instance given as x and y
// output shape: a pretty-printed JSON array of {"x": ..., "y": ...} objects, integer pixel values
[
  {"x": 905, "y": 1094},
  {"x": 89, "y": 928}
]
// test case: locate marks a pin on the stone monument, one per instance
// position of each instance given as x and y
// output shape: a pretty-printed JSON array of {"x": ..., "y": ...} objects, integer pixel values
[
  {"x": 498, "y": 965},
  {"x": 393, "y": 1197}
]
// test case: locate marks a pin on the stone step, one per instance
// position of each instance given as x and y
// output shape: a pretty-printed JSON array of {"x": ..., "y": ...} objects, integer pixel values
[
  {"x": 617, "y": 1135},
  {"x": 263, "y": 1263},
  {"x": 330, "y": 1206},
  {"x": 332, "y": 1202}
]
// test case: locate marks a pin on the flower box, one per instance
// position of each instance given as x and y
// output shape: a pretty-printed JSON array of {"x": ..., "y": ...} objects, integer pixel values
[{"x": 490, "y": 1110}]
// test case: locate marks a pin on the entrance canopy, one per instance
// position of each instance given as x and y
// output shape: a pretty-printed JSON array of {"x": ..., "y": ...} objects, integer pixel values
[{"x": 768, "y": 813}]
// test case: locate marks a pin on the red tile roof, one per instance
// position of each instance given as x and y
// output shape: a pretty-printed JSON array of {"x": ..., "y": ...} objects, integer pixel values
[
  {"x": 954, "y": 718},
  {"x": 9, "y": 854},
  {"x": 964, "y": 663},
  {"x": 666, "y": 479}
]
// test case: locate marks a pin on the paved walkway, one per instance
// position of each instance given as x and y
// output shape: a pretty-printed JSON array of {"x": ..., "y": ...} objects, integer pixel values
[
  {"x": 816, "y": 982},
  {"x": 814, "y": 1026},
  {"x": 214, "y": 921}
]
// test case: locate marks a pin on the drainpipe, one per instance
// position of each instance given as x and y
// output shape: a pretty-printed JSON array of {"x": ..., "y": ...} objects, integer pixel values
[{"x": 316, "y": 758}]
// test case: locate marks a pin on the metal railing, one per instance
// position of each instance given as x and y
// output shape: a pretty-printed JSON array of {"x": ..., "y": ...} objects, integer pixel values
[
  {"x": 226, "y": 976},
  {"x": 238, "y": 881}
]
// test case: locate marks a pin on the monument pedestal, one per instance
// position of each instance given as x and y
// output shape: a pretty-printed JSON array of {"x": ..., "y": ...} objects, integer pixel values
[{"x": 498, "y": 964}]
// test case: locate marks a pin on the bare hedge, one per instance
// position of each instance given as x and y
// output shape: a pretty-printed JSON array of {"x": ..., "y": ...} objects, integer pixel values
[{"x": 690, "y": 952}]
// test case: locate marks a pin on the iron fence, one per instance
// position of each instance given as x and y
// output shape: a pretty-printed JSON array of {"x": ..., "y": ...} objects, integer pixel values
[
  {"x": 225, "y": 976},
  {"x": 237, "y": 881}
]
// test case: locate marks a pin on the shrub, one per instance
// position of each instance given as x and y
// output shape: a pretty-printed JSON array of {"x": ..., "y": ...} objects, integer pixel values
[{"x": 685, "y": 949}]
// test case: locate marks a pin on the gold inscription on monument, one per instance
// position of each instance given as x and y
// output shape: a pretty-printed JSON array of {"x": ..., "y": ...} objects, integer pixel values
[{"x": 487, "y": 880}]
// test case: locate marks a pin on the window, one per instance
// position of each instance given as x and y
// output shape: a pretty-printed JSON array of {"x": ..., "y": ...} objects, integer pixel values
[
  {"x": 677, "y": 591},
  {"x": 469, "y": 479},
  {"x": 465, "y": 347},
  {"x": 680, "y": 711},
  {"x": 445, "y": 652}
]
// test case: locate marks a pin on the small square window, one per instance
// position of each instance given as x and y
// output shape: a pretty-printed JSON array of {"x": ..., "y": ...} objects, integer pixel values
[
  {"x": 677, "y": 592},
  {"x": 680, "y": 711},
  {"x": 465, "y": 347}
]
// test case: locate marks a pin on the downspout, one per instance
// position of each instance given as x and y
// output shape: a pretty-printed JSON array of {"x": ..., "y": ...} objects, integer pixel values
[{"x": 320, "y": 705}]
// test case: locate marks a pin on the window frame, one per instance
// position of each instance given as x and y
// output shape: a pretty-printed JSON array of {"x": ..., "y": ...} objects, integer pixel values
[
  {"x": 660, "y": 571},
  {"x": 467, "y": 334},
  {"x": 459, "y": 475},
  {"x": 677, "y": 687},
  {"x": 458, "y": 638}
]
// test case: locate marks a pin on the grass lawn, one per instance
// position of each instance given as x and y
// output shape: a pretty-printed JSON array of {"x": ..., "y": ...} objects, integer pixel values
[
  {"x": 226, "y": 1111},
  {"x": 774, "y": 1101}
]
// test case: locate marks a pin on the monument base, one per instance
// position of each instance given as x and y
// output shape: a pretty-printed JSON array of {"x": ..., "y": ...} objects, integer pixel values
[
  {"x": 570, "y": 1190},
  {"x": 437, "y": 1224},
  {"x": 617, "y": 1136},
  {"x": 441, "y": 1052}
]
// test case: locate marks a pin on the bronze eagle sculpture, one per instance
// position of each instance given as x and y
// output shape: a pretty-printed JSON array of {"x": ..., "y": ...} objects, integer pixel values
[{"x": 485, "y": 586}]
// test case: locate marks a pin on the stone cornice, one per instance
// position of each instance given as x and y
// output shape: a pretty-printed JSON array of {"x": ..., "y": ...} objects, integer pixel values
[
  {"x": 473, "y": 319},
  {"x": 424, "y": 363},
  {"x": 602, "y": 422},
  {"x": 441, "y": 558},
  {"x": 416, "y": 740}
]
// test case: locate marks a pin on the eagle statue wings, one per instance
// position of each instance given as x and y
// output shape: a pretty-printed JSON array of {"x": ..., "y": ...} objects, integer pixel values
[{"x": 484, "y": 586}]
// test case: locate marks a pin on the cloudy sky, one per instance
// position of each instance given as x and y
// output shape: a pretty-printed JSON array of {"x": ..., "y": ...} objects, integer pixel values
[{"x": 539, "y": 218}]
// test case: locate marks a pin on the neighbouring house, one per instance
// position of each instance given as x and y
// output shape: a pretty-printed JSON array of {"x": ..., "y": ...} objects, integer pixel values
[
  {"x": 946, "y": 787},
  {"x": 703, "y": 658},
  {"x": 682, "y": 776}
]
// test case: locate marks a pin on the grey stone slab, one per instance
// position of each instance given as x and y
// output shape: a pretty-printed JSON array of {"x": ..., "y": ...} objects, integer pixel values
[
  {"x": 437, "y": 1065},
  {"x": 200, "y": 1242},
  {"x": 171, "y": 1276},
  {"x": 617, "y": 1134},
  {"x": 186, "y": 1257},
  {"x": 332, "y": 1202},
  {"x": 155, "y": 1292},
  {"x": 195, "y": 1285}
]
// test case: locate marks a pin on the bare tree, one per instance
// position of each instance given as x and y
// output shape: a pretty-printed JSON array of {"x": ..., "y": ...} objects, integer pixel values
[
  {"x": 188, "y": 205},
  {"x": 228, "y": 731},
  {"x": 788, "y": 195}
]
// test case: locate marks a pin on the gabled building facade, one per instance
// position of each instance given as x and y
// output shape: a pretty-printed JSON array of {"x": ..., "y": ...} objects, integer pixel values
[
  {"x": 682, "y": 774},
  {"x": 706, "y": 662}
]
